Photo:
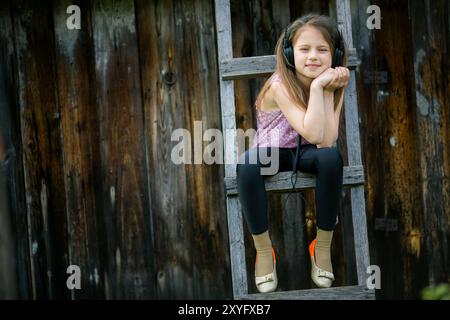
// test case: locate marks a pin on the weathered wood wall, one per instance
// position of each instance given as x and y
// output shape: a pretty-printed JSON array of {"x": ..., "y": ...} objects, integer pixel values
[
  {"x": 405, "y": 132},
  {"x": 391, "y": 154},
  {"x": 87, "y": 115},
  {"x": 94, "y": 112}
]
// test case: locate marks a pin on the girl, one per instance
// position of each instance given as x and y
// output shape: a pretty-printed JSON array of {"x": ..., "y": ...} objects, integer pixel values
[{"x": 303, "y": 97}]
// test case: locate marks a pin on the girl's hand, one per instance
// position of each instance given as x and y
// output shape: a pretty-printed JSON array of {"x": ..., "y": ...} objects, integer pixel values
[
  {"x": 324, "y": 78},
  {"x": 340, "y": 79}
]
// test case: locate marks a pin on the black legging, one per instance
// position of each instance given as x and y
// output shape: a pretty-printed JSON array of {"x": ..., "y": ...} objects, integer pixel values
[{"x": 325, "y": 163}]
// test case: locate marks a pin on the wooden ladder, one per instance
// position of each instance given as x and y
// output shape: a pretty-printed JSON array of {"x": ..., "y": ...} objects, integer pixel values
[{"x": 250, "y": 67}]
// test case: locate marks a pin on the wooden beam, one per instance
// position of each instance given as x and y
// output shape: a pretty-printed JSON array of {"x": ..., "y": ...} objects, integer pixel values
[
  {"x": 336, "y": 293},
  {"x": 227, "y": 104},
  {"x": 228, "y": 109},
  {"x": 249, "y": 67},
  {"x": 281, "y": 182},
  {"x": 354, "y": 150}
]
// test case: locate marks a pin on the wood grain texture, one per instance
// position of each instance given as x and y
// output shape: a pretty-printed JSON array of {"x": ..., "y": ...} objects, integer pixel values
[
  {"x": 237, "y": 247},
  {"x": 432, "y": 87},
  {"x": 201, "y": 100},
  {"x": 8, "y": 288},
  {"x": 281, "y": 182},
  {"x": 263, "y": 66},
  {"x": 87, "y": 118},
  {"x": 125, "y": 202},
  {"x": 41, "y": 142},
  {"x": 338, "y": 293},
  {"x": 390, "y": 151},
  {"x": 179, "y": 77},
  {"x": 15, "y": 260},
  {"x": 82, "y": 164}
]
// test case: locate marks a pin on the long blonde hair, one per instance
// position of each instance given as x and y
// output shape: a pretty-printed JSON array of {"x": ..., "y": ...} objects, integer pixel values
[{"x": 298, "y": 92}]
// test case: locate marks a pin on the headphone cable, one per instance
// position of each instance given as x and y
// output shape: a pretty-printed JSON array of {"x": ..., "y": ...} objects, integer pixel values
[{"x": 294, "y": 175}]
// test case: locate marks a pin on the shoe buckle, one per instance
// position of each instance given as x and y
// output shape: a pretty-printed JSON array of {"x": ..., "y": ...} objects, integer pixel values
[
  {"x": 325, "y": 274},
  {"x": 264, "y": 279}
]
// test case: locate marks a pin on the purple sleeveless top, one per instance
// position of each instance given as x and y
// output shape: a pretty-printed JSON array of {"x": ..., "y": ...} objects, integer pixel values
[{"x": 273, "y": 129}]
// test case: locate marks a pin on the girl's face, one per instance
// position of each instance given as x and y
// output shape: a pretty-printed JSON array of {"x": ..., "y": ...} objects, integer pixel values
[{"x": 312, "y": 54}]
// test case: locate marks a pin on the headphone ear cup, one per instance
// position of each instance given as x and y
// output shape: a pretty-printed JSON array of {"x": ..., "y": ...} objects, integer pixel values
[
  {"x": 288, "y": 51},
  {"x": 338, "y": 58},
  {"x": 289, "y": 56}
]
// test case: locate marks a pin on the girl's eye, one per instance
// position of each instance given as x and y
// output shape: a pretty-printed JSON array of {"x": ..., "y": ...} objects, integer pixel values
[
  {"x": 323, "y": 50},
  {"x": 303, "y": 50}
]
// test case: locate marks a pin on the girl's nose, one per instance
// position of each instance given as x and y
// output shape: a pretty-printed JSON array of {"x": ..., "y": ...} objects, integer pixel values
[{"x": 312, "y": 55}]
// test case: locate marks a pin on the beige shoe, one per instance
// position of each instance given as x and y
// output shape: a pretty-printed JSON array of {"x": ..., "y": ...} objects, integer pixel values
[
  {"x": 322, "y": 278},
  {"x": 269, "y": 282}
]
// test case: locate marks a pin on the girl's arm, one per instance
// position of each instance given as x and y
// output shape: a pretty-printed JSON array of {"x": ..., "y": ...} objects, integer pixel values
[
  {"x": 331, "y": 128},
  {"x": 332, "y": 116},
  {"x": 308, "y": 123},
  {"x": 317, "y": 116},
  {"x": 315, "y": 120}
]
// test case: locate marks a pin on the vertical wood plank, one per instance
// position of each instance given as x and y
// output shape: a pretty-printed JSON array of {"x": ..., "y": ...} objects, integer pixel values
[
  {"x": 163, "y": 111},
  {"x": 8, "y": 289},
  {"x": 299, "y": 8},
  {"x": 390, "y": 154},
  {"x": 40, "y": 126},
  {"x": 186, "y": 91},
  {"x": 16, "y": 265},
  {"x": 8, "y": 280},
  {"x": 432, "y": 87},
  {"x": 207, "y": 215},
  {"x": 126, "y": 206},
  {"x": 79, "y": 135}
]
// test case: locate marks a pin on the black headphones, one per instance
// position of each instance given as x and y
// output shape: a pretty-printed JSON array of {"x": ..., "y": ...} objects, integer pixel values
[{"x": 288, "y": 52}]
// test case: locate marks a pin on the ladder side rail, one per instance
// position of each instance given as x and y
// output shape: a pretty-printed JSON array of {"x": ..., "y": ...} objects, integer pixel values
[
  {"x": 361, "y": 243},
  {"x": 228, "y": 112}
]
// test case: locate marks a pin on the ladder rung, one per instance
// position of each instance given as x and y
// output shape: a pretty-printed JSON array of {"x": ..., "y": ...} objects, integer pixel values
[
  {"x": 250, "y": 67},
  {"x": 336, "y": 293},
  {"x": 281, "y": 182},
  {"x": 259, "y": 66}
]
